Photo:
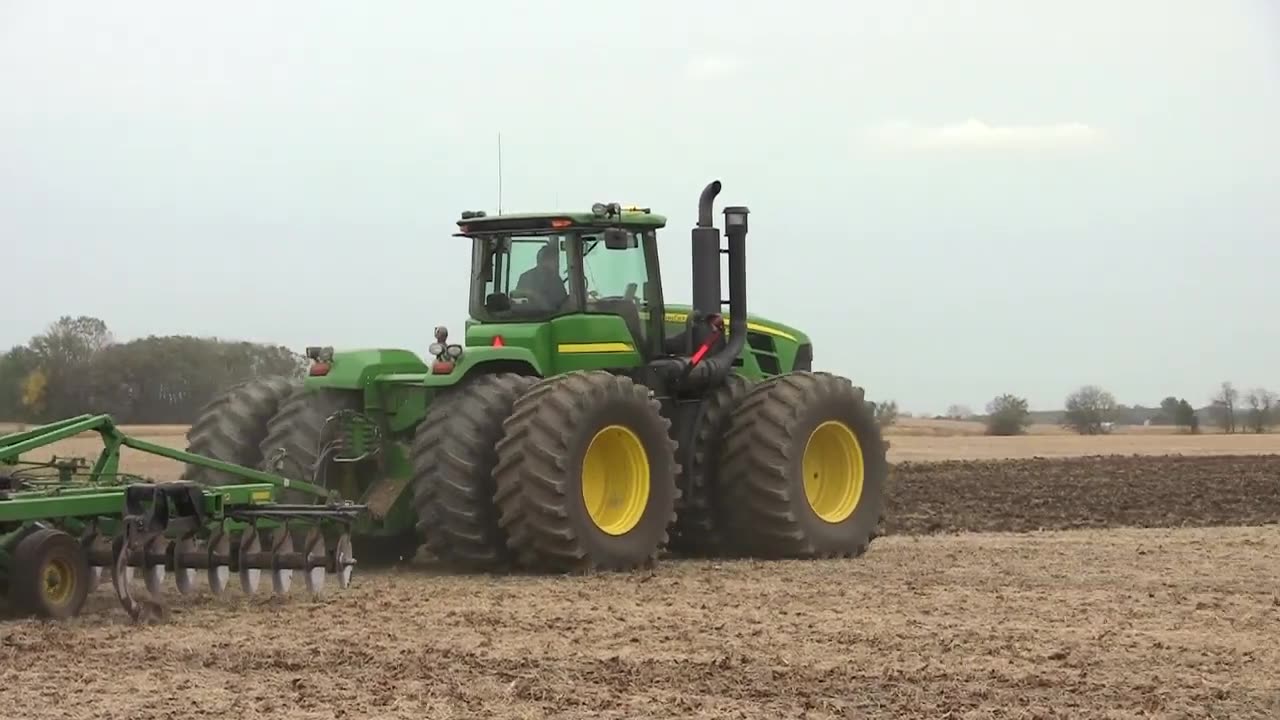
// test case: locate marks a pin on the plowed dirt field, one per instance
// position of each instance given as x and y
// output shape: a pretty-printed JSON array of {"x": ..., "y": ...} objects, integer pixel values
[
  {"x": 1148, "y": 611},
  {"x": 1087, "y": 492}
]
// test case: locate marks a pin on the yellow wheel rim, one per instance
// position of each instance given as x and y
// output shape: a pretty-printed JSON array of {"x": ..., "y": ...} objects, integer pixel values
[
  {"x": 615, "y": 480},
  {"x": 59, "y": 581},
  {"x": 833, "y": 471}
]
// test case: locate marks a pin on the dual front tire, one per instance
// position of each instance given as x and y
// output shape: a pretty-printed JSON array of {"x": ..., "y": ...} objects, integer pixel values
[{"x": 575, "y": 472}]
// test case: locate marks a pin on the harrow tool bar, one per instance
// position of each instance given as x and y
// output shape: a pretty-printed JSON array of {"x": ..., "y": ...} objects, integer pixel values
[{"x": 182, "y": 529}]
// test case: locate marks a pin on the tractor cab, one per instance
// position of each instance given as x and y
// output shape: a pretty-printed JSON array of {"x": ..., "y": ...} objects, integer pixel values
[
  {"x": 584, "y": 291},
  {"x": 538, "y": 267}
]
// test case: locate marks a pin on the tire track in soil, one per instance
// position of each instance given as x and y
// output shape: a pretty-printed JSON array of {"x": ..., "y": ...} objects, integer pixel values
[{"x": 1087, "y": 492}]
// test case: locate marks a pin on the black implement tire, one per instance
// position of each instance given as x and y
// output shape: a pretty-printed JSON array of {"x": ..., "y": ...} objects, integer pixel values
[
  {"x": 232, "y": 426},
  {"x": 45, "y": 555},
  {"x": 767, "y": 510},
  {"x": 453, "y": 457},
  {"x": 697, "y": 531},
  {"x": 540, "y": 478},
  {"x": 296, "y": 429}
]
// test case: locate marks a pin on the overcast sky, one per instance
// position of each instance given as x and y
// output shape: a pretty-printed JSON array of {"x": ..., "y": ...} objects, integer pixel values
[{"x": 957, "y": 199}]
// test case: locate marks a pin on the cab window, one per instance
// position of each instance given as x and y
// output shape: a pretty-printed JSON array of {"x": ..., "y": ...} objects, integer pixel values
[{"x": 526, "y": 277}]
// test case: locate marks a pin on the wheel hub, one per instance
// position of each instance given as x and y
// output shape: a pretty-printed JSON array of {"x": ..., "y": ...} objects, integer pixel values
[
  {"x": 834, "y": 471},
  {"x": 615, "y": 480},
  {"x": 59, "y": 581}
]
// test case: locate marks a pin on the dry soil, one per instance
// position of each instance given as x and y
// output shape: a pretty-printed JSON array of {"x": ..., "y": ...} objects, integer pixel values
[
  {"x": 1155, "y": 623},
  {"x": 1153, "y": 594}
]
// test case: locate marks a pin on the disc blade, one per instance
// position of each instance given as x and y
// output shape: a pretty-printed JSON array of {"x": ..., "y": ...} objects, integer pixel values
[
  {"x": 345, "y": 560},
  {"x": 120, "y": 578},
  {"x": 249, "y": 577},
  {"x": 219, "y": 574},
  {"x": 313, "y": 549},
  {"x": 89, "y": 542},
  {"x": 315, "y": 578},
  {"x": 281, "y": 578},
  {"x": 184, "y": 577},
  {"x": 153, "y": 575}
]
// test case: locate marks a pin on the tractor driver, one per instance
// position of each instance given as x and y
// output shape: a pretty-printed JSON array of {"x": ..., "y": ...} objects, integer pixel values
[{"x": 542, "y": 282}]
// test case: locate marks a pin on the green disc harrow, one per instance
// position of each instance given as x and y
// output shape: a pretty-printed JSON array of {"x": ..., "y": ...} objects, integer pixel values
[{"x": 65, "y": 523}]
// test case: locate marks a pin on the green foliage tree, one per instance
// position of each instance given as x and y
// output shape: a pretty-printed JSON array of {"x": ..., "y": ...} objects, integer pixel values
[
  {"x": 1185, "y": 416},
  {"x": 1089, "y": 410},
  {"x": 1008, "y": 415},
  {"x": 76, "y": 366},
  {"x": 1169, "y": 411}
]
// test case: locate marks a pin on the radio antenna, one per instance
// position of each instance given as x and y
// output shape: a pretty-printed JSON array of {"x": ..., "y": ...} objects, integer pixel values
[{"x": 499, "y": 172}]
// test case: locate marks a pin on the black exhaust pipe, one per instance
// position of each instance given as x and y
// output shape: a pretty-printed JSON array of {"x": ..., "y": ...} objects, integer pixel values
[
  {"x": 715, "y": 367},
  {"x": 706, "y": 268},
  {"x": 708, "y": 196}
]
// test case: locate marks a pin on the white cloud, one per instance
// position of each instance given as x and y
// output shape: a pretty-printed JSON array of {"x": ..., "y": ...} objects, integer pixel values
[
  {"x": 978, "y": 135},
  {"x": 712, "y": 65}
]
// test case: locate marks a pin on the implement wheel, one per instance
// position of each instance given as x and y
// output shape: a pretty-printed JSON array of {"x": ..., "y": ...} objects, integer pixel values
[
  {"x": 233, "y": 425},
  {"x": 586, "y": 474},
  {"x": 49, "y": 575},
  {"x": 453, "y": 458},
  {"x": 803, "y": 469}
]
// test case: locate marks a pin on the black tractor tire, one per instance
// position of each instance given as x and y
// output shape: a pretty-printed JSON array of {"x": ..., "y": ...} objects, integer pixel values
[
  {"x": 540, "y": 478},
  {"x": 48, "y": 554},
  {"x": 232, "y": 426},
  {"x": 697, "y": 531},
  {"x": 296, "y": 430},
  {"x": 766, "y": 509},
  {"x": 453, "y": 456}
]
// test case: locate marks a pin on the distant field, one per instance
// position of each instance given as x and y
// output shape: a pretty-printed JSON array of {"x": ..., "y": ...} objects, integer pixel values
[{"x": 911, "y": 440}]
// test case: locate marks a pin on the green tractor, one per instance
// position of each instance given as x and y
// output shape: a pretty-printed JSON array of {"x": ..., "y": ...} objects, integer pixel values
[{"x": 583, "y": 423}]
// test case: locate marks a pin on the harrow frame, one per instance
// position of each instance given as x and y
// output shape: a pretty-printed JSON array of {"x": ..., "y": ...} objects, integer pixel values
[{"x": 121, "y": 522}]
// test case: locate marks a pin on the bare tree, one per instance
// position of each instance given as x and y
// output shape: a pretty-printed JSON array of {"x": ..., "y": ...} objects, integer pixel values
[
  {"x": 886, "y": 412},
  {"x": 1262, "y": 410},
  {"x": 959, "y": 412},
  {"x": 1224, "y": 406}
]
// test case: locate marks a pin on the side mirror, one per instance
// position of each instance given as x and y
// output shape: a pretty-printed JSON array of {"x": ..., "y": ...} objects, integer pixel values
[{"x": 618, "y": 239}]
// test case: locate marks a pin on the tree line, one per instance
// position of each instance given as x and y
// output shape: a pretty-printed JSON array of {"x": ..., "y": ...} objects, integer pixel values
[
  {"x": 1091, "y": 410},
  {"x": 76, "y": 366}
]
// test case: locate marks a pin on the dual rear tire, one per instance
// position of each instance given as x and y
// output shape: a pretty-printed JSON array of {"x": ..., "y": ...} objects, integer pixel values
[
  {"x": 586, "y": 474},
  {"x": 802, "y": 470}
]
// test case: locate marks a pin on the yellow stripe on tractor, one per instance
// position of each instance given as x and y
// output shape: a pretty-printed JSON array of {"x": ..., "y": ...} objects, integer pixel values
[
  {"x": 602, "y": 347},
  {"x": 757, "y": 327}
]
